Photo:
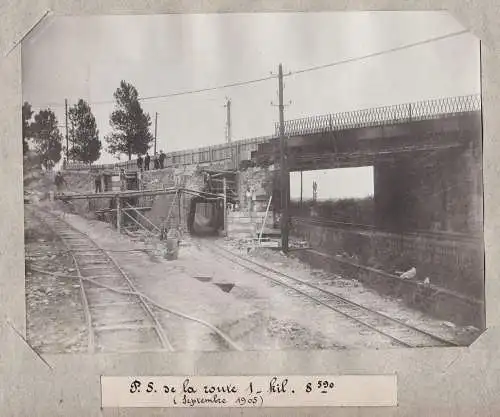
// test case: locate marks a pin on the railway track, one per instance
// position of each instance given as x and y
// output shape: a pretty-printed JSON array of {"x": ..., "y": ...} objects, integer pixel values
[
  {"x": 399, "y": 332},
  {"x": 118, "y": 318}
]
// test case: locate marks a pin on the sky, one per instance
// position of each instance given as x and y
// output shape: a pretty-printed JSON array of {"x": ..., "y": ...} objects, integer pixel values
[
  {"x": 87, "y": 57},
  {"x": 333, "y": 183}
]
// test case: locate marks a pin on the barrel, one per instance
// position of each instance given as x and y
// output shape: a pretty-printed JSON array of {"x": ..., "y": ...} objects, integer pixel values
[{"x": 172, "y": 251}]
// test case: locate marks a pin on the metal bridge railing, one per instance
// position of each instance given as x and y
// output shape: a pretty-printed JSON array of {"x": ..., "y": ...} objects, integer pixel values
[
  {"x": 224, "y": 152},
  {"x": 379, "y": 116},
  {"x": 400, "y": 113}
]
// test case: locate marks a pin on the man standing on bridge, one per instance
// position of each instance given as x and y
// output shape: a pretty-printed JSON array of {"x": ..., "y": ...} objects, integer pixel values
[
  {"x": 147, "y": 160},
  {"x": 139, "y": 162}
]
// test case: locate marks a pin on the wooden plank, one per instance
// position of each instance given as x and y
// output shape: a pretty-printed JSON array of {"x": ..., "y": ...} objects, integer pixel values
[
  {"x": 108, "y": 210},
  {"x": 141, "y": 193},
  {"x": 118, "y": 215},
  {"x": 143, "y": 217}
]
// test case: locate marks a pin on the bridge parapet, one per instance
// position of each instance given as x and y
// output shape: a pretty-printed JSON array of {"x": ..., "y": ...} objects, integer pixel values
[{"x": 379, "y": 116}]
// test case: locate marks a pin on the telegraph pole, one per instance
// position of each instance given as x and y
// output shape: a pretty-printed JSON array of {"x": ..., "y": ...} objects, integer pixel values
[
  {"x": 301, "y": 188},
  {"x": 225, "y": 205},
  {"x": 283, "y": 167},
  {"x": 156, "y": 126},
  {"x": 228, "y": 120},
  {"x": 67, "y": 135}
]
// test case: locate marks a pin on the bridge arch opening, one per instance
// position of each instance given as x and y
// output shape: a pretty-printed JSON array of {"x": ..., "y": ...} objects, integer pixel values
[
  {"x": 205, "y": 216},
  {"x": 333, "y": 183},
  {"x": 341, "y": 194}
]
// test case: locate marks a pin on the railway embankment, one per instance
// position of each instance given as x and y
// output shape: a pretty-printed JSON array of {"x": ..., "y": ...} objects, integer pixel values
[{"x": 449, "y": 280}]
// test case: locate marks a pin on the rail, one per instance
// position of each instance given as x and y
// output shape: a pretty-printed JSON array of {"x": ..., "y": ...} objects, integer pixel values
[
  {"x": 402, "y": 333},
  {"x": 380, "y": 116},
  {"x": 117, "y": 282}
]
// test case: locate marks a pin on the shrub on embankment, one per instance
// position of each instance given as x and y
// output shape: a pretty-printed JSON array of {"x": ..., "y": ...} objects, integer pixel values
[
  {"x": 351, "y": 210},
  {"x": 39, "y": 183}
]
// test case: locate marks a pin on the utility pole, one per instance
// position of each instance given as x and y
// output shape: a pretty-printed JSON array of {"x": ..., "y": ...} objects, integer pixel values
[
  {"x": 225, "y": 205},
  {"x": 301, "y": 188},
  {"x": 228, "y": 120},
  {"x": 285, "y": 180},
  {"x": 156, "y": 128},
  {"x": 67, "y": 135}
]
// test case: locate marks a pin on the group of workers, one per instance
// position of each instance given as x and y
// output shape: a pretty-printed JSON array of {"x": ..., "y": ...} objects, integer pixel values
[{"x": 158, "y": 161}]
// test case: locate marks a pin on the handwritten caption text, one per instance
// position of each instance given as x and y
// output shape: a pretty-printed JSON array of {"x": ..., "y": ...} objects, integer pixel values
[{"x": 249, "y": 391}]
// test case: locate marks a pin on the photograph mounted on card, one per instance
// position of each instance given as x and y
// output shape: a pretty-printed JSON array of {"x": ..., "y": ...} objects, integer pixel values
[{"x": 194, "y": 184}]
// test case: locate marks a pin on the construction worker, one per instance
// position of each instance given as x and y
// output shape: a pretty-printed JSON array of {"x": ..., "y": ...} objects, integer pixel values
[
  {"x": 59, "y": 181},
  {"x": 97, "y": 182},
  {"x": 254, "y": 199},
  {"x": 209, "y": 183},
  {"x": 162, "y": 159},
  {"x": 123, "y": 180},
  {"x": 248, "y": 198},
  {"x": 147, "y": 160}
]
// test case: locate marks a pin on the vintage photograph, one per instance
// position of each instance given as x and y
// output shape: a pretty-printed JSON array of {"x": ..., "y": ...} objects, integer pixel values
[{"x": 281, "y": 181}]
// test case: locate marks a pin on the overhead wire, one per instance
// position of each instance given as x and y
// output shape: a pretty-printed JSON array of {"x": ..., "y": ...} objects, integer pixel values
[
  {"x": 270, "y": 77},
  {"x": 379, "y": 53},
  {"x": 201, "y": 90}
]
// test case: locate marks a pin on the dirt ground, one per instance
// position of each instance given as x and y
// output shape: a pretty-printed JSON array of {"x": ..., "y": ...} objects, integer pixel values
[
  {"x": 254, "y": 312},
  {"x": 348, "y": 287},
  {"x": 54, "y": 313}
]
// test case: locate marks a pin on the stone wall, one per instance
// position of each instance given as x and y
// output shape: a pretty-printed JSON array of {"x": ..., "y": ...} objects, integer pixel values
[
  {"x": 260, "y": 181},
  {"x": 438, "y": 191},
  {"x": 457, "y": 266},
  {"x": 436, "y": 301},
  {"x": 164, "y": 206},
  {"x": 189, "y": 177},
  {"x": 82, "y": 182},
  {"x": 248, "y": 224}
]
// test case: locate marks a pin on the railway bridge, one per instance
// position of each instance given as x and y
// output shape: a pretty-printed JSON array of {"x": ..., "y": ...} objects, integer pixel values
[
  {"x": 427, "y": 167},
  {"x": 426, "y": 159}
]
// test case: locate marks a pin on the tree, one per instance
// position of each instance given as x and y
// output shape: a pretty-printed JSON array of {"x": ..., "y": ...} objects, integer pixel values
[
  {"x": 47, "y": 138},
  {"x": 131, "y": 134},
  {"x": 27, "y": 131},
  {"x": 84, "y": 133}
]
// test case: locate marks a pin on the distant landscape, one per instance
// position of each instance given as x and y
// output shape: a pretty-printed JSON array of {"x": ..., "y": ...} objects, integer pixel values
[
  {"x": 351, "y": 210},
  {"x": 332, "y": 184}
]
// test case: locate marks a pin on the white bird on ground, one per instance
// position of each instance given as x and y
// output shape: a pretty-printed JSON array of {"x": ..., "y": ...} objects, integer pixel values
[{"x": 411, "y": 273}]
